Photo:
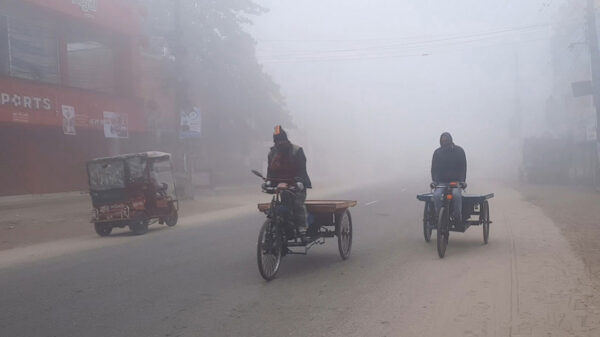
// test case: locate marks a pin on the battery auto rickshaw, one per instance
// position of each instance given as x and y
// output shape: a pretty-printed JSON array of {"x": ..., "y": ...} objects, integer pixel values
[{"x": 132, "y": 190}]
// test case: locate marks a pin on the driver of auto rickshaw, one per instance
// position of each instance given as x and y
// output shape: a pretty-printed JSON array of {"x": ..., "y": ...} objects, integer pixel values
[
  {"x": 158, "y": 188},
  {"x": 287, "y": 165},
  {"x": 449, "y": 164}
]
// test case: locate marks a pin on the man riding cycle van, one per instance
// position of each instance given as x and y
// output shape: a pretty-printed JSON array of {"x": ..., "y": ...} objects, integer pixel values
[
  {"x": 287, "y": 166},
  {"x": 449, "y": 164}
]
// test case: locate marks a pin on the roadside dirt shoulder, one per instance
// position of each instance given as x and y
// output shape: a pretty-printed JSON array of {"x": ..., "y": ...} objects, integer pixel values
[
  {"x": 25, "y": 222},
  {"x": 576, "y": 211}
]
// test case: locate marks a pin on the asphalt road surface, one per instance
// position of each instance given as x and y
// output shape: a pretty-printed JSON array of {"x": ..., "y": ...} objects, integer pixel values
[{"x": 201, "y": 279}]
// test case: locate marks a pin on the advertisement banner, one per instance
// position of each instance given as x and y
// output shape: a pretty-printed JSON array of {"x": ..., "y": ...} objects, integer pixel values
[
  {"x": 42, "y": 105},
  {"x": 115, "y": 125},
  {"x": 191, "y": 123},
  {"x": 68, "y": 113}
]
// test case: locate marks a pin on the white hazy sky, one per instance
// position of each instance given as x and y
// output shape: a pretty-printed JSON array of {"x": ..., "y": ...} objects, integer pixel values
[{"x": 386, "y": 77}]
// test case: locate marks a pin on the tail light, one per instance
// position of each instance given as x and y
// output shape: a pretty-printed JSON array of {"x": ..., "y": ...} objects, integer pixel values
[{"x": 449, "y": 197}]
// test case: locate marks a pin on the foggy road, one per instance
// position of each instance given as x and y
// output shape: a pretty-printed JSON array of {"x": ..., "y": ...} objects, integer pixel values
[
  {"x": 114, "y": 111},
  {"x": 203, "y": 281}
]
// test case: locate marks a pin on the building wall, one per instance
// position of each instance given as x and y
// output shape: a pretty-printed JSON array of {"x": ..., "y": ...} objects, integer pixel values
[
  {"x": 45, "y": 143},
  {"x": 37, "y": 160}
]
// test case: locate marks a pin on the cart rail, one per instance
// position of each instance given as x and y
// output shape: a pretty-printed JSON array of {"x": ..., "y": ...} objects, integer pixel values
[{"x": 319, "y": 206}]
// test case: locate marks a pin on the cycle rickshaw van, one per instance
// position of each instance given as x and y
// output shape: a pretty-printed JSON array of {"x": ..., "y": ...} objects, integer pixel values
[
  {"x": 475, "y": 212},
  {"x": 132, "y": 190},
  {"x": 279, "y": 235}
]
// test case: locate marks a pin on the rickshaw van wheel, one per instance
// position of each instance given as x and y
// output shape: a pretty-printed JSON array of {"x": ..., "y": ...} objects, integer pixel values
[
  {"x": 343, "y": 230},
  {"x": 103, "y": 229},
  {"x": 442, "y": 233},
  {"x": 172, "y": 219},
  {"x": 428, "y": 214},
  {"x": 485, "y": 220},
  {"x": 269, "y": 250},
  {"x": 139, "y": 227}
]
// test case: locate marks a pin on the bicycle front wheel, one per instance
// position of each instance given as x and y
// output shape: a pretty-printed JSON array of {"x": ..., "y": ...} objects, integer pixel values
[
  {"x": 442, "y": 232},
  {"x": 268, "y": 250}
]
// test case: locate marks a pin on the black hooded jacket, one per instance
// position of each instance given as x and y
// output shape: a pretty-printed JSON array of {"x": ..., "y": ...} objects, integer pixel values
[
  {"x": 449, "y": 164},
  {"x": 287, "y": 165}
]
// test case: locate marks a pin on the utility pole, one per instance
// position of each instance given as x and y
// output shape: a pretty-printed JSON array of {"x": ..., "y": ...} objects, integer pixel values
[
  {"x": 517, "y": 118},
  {"x": 180, "y": 98},
  {"x": 592, "y": 39}
]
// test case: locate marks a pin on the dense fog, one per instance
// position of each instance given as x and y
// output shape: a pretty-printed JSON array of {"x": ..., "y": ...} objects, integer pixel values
[{"x": 372, "y": 85}]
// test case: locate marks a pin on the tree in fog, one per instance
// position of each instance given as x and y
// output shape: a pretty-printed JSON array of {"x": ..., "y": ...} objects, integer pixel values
[
  {"x": 219, "y": 68},
  {"x": 222, "y": 63}
]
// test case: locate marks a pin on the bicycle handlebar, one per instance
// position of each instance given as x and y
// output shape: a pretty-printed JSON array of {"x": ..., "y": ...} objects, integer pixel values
[
  {"x": 274, "y": 189},
  {"x": 454, "y": 184}
]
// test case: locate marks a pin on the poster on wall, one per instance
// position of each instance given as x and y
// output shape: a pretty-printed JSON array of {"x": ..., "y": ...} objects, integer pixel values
[
  {"x": 68, "y": 113},
  {"x": 191, "y": 123},
  {"x": 115, "y": 125}
]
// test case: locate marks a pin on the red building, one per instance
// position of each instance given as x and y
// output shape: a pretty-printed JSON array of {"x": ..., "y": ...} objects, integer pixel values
[{"x": 74, "y": 85}]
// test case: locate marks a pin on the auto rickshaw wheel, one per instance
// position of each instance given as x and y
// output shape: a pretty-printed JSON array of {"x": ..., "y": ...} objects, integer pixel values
[
  {"x": 139, "y": 227},
  {"x": 171, "y": 220},
  {"x": 103, "y": 229}
]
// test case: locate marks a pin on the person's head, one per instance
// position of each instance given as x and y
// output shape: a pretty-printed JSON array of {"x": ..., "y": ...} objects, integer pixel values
[
  {"x": 446, "y": 140},
  {"x": 280, "y": 138}
]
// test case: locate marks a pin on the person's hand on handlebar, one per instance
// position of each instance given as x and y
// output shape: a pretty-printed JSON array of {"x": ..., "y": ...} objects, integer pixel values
[
  {"x": 459, "y": 184},
  {"x": 267, "y": 187}
]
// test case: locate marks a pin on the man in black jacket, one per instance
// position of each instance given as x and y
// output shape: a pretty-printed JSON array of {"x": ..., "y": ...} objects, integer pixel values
[
  {"x": 449, "y": 164},
  {"x": 287, "y": 165}
]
